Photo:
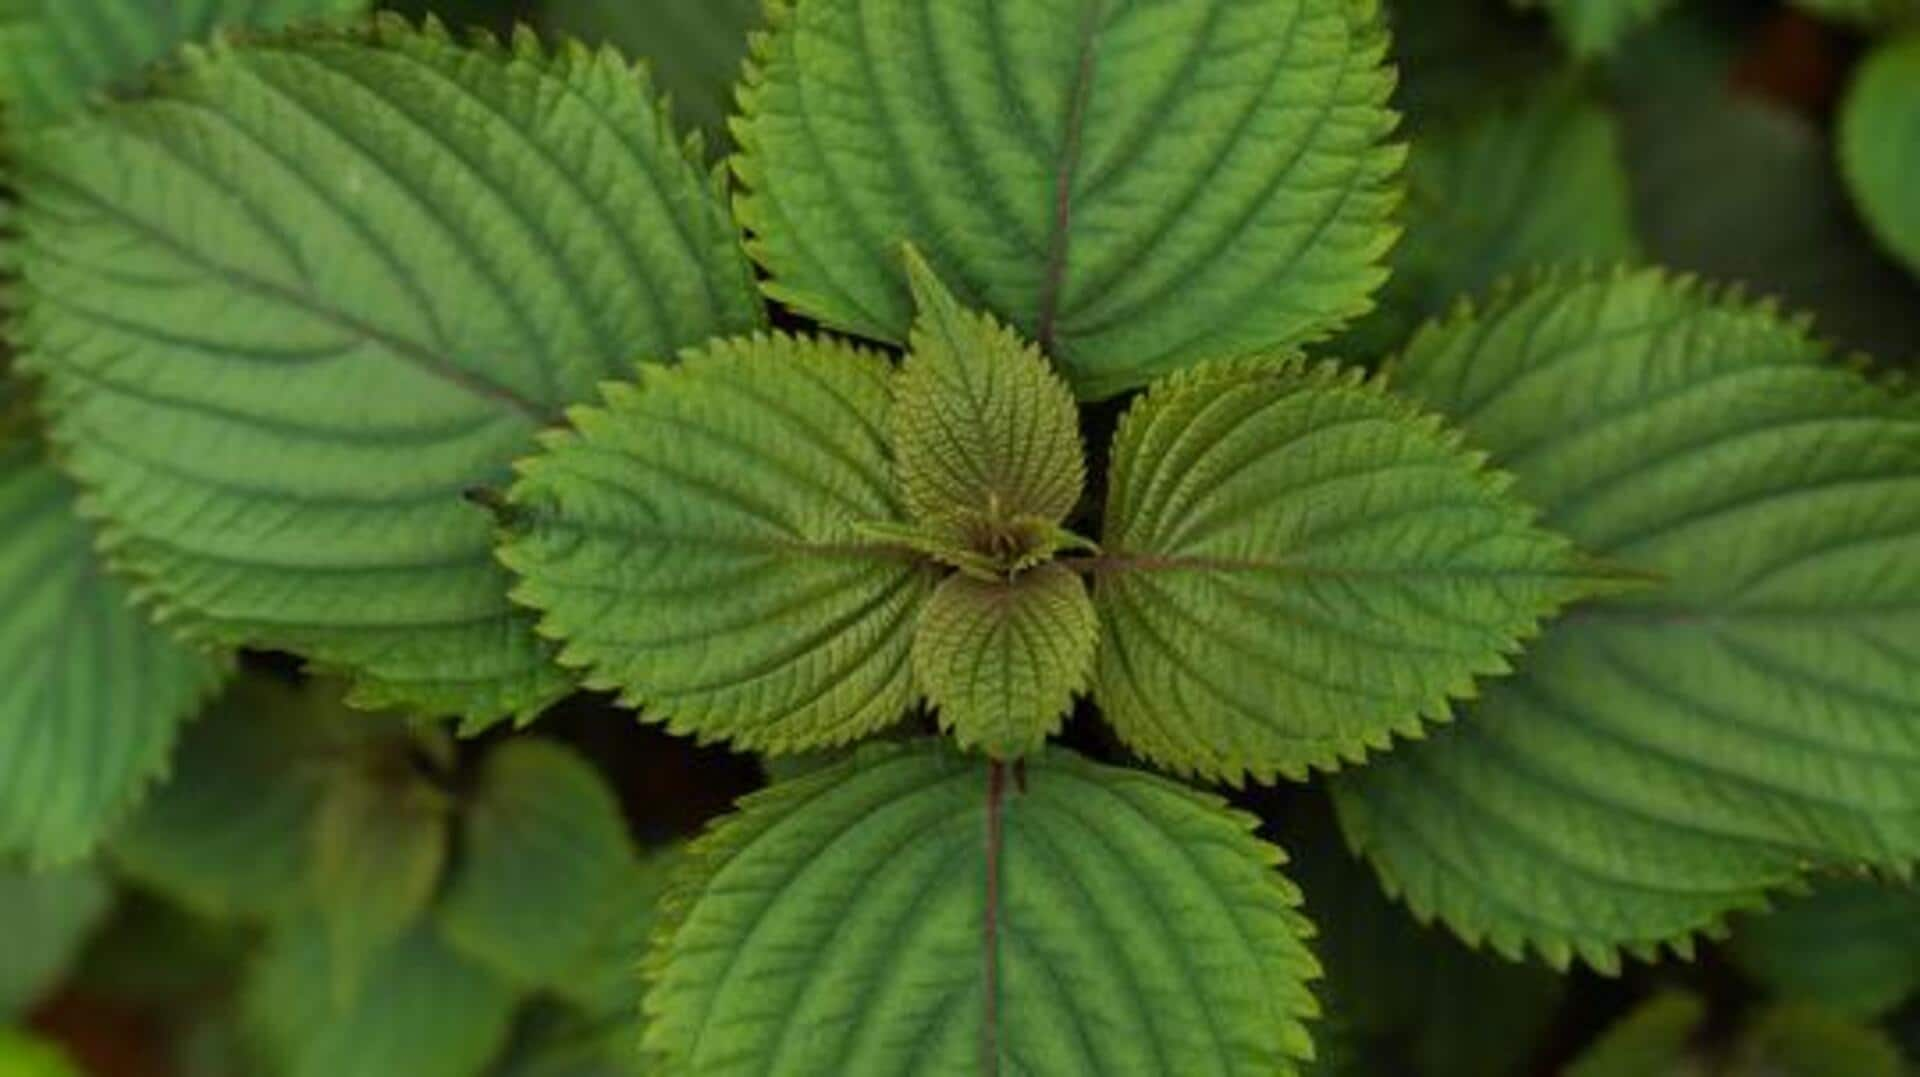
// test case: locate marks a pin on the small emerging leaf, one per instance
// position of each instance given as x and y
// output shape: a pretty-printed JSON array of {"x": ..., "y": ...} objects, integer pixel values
[
  {"x": 986, "y": 434},
  {"x": 1297, "y": 565},
  {"x": 697, "y": 545},
  {"x": 1003, "y": 659}
]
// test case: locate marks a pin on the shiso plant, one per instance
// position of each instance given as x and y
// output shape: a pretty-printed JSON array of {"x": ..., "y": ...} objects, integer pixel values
[{"x": 1076, "y": 448}]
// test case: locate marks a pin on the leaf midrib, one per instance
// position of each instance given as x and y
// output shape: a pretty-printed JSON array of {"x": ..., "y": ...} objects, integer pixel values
[{"x": 1053, "y": 279}]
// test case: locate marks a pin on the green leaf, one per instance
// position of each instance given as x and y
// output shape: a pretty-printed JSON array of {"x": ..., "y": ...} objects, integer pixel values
[
  {"x": 1003, "y": 659},
  {"x": 93, "y": 694},
  {"x": 1135, "y": 186},
  {"x": 606, "y": 983},
  {"x": 56, "y": 54},
  {"x": 1298, "y": 565},
  {"x": 695, "y": 543},
  {"x": 1456, "y": 57},
  {"x": 379, "y": 845},
  {"x": 1667, "y": 757},
  {"x": 1536, "y": 183},
  {"x": 1868, "y": 13},
  {"x": 47, "y": 916},
  {"x": 1852, "y": 946},
  {"x": 544, "y": 850},
  {"x": 421, "y": 1010},
  {"x": 1591, "y": 27},
  {"x": 1880, "y": 145},
  {"x": 985, "y": 433},
  {"x": 851, "y": 921},
  {"x": 23, "y": 1054},
  {"x": 230, "y": 834},
  {"x": 693, "y": 47},
  {"x": 292, "y": 305},
  {"x": 1707, "y": 163},
  {"x": 1653, "y": 1040}
]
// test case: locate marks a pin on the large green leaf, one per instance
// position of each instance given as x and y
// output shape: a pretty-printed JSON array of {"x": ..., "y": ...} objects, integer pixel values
[
  {"x": 1298, "y": 565},
  {"x": 986, "y": 436},
  {"x": 909, "y": 912},
  {"x": 1003, "y": 659},
  {"x": 420, "y": 1010},
  {"x": 47, "y": 916},
  {"x": 1880, "y": 145},
  {"x": 543, "y": 851},
  {"x": 1667, "y": 757},
  {"x": 379, "y": 846},
  {"x": 1133, "y": 185},
  {"x": 92, "y": 694},
  {"x": 1534, "y": 183},
  {"x": 695, "y": 543},
  {"x": 297, "y": 301},
  {"x": 693, "y": 47},
  {"x": 55, "y": 54},
  {"x": 1852, "y": 946},
  {"x": 230, "y": 834}
]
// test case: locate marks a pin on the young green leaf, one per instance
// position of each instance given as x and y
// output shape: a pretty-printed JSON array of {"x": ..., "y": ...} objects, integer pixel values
[
  {"x": 1667, "y": 757},
  {"x": 1852, "y": 946},
  {"x": 1591, "y": 27},
  {"x": 92, "y": 695},
  {"x": 230, "y": 834},
  {"x": 294, "y": 303},
  {"x": 55, "y": 54},
  {"x": 1297, "y": 565},
  {"x": 1003, "y": 659},
  {"x": 421, "y": 1010},
  {"x": 985, "y": 434},
  {"x": 695, "y": 543},
  {"x": 1535, "y": 183},
  {"x": 544, "y": 849},
  {"x": 911, "y": 912},
  {"x": 379, "y": 845},
  {"x": 48, "y": 916},
  {"x": 1880, "y": 145},
  {"x": 693, "y": 47},
  {"x": 1135, "y": 186}
]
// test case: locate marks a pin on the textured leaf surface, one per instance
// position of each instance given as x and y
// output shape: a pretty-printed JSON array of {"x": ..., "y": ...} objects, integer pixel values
[
  {"x": 1590, "y": 27},
  {"x": 544, "y": 850},
  {"x": 1133, "y": 185},
  {"x": 48, "y": 916},
  {"x": 92, "y": 694},
  {"x": 1298, "y": 565},
  {"x": 840, "y": 923},
  {"x": 1003, "y": 659},
  {"x": 1880, "y": 145},
  {"x": 984, "y": 432},
  {"x": 694, "y": 542},
  {"x": 421, "y": 1010},
  {"x": 1667, "y": 757},
  {"x": 1850, "y": 946},
  {"x": 293, "y": 305},
  {"x": 230, "y": 833},
  {"x": 379, "y": 845},
  {"x": 693, "y": 47},
  {"x": 1534, "y": 183},
  {"x": 55, "y": 54}
]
